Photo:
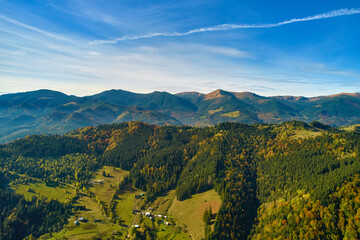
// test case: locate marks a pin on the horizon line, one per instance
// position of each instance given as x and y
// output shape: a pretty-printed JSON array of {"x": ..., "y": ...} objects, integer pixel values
[{"x": 219, "y": 89}]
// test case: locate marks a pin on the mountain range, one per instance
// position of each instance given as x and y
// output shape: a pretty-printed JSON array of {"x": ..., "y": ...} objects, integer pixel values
[{"x": 52, "y": 112}]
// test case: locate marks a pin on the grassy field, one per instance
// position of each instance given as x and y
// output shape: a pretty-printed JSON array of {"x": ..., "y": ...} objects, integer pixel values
[
  {"x": 171, "y": 233},
  {"x": 216, "y": 110},
  {"x": 301, "y": 134},
  {"x": 93, "y": 210},
  {"x": 164, "y": 232},
  {"x": 188, "y": 213},
  {"x": 162, "y": 204},
  {"x": 91, "y": 229},
  {"x": 88, "y": 230},
  {"x": 234, "y": 114},
  {"x": 125, "y": 204},
  {"x": 105, "y": 191},
  {"x": 61, "y": 193},
  {"x": 351, "y": 128}
]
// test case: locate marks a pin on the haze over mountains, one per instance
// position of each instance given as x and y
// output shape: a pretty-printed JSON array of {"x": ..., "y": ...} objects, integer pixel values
[{"x": 46, "y": 111}]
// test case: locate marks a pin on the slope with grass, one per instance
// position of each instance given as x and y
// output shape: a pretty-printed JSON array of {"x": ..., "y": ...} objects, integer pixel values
[
  {"x": 61, "y": 193},
  {"x": 97, "y": 222},
  {"x": 105, "y": 181},
  {"x": 189, "y": 213}
]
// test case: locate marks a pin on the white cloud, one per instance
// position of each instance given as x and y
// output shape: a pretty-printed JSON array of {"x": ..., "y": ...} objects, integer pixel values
[
  {"x": 226, "y": 27},
  {"x": 232, "y": 52},
  {"x": 93, "y": 53}
]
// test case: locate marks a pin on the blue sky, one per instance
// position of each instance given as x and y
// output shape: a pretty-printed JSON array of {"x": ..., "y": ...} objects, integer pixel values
[{"x": 83, "y": 47}]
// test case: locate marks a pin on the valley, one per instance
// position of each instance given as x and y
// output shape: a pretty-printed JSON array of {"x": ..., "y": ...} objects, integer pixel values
[
  {"x": 99, "y": 221},
  {"x": 138, "y": 181}
]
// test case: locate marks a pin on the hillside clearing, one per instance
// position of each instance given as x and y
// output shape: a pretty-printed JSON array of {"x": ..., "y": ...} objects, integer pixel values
[
  {"x": 351, "y": 128},
  {"x": 96, "y": 223},
  {"x": 106, "y": 189},
  {"x": 87, "y": 230},
  {"x": 125, "y": 204},
  {"x": 188, "y": 213},
  {"x": 60, "y": 193}
]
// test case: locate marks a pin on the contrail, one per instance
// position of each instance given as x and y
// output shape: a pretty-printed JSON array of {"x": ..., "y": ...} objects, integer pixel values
[{"x": 226, "y": 27}]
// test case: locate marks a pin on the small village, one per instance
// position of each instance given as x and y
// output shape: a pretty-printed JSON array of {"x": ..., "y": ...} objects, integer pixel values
[{"x": 140, "y": 211}]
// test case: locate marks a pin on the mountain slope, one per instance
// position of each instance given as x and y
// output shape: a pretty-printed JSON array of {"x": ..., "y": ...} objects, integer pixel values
[
  {"x": 46, "y": 111},
  {"x": 221, "y": 106},
  {"x": 336, "y": 110},
  {"x": 49, "y": 112},
  {"x": 269, "y": 109},
  {"x": 159, "y": 101}
]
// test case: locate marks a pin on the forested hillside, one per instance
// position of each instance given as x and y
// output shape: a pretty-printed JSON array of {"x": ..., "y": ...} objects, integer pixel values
[
  {"x": 287, "y": 181},
  {"x": 21, "y": 218}
]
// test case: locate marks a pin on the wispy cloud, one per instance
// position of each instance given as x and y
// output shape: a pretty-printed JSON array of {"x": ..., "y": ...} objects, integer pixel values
[
  {"x": 227, "y": 27},
  {"x": 226, "y": 51},
  {"x": 31, "y": 28}
]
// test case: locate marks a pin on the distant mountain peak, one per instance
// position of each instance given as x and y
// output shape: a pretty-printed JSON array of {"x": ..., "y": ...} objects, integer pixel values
[
  {"x": 345, "y": 94},
  {"x": 216, "y": 94}
]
